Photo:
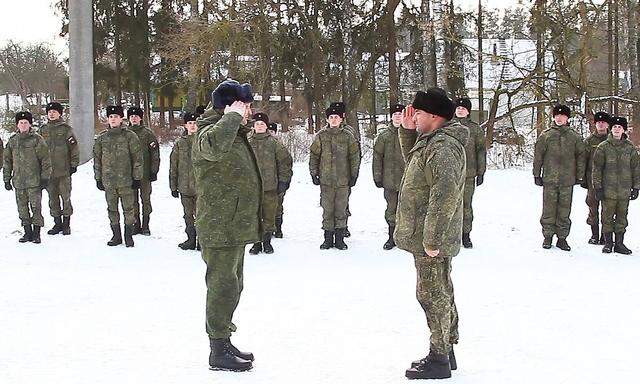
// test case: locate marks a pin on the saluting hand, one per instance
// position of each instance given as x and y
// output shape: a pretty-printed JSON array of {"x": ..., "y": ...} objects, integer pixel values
[{"x": 407, "y": 117}]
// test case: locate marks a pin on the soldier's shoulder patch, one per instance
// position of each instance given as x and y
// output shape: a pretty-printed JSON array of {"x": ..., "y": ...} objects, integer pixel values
[
  {"x": 72, "y": 140},
  {"x": 153, "y": 145}
]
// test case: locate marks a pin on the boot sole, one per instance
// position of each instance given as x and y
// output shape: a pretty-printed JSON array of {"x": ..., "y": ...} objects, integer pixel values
[
  {"x": 413, "y": 374},
  {"x": 224, "y": 369}
]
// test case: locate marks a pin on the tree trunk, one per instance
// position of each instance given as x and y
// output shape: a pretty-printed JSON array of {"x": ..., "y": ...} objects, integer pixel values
[
  {"x": 430, "y": 76},
  {"x": 540, "y": 29},
  {"x": 394, "y": 79},
  {"x": 480, "y": 66}
]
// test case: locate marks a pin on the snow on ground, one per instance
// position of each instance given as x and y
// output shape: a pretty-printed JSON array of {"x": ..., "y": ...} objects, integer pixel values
[{"x": 73, "y": 310}]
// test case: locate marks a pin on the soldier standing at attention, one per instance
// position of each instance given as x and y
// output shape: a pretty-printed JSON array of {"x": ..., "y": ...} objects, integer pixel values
[
  {"x": 558, "y": 165},
  {"x": 150, "y": 167},
  {"x": 182, "y": 180},
  {"x": 429, "y": 219},
  {"x": 27, "y": 165},
  {"x": 334, "y": 163},
  {"x": 616, "y": 180},
  {"x": 273, "y": 130},
  {"x": 388, "y": 168},
  {"x": 590, "y": 143},
  {"x": 275, "y": 168},
  {"x": 476, "y": 164},
  {"x": 117, "y": 165},
  {"x": 65, "y": 157}
]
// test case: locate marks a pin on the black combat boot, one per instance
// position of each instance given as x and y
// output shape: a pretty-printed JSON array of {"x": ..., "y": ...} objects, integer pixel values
[
  {"x": 236, "y": 352},
  {"x": 266, "y": 243},
  {"x": 66, "y": 225},
  {"x": 390, "y": 244},
  {"x": 145, "y": 226},
  {"x": 595, "y": 235},
  {"x": 28, "y": 234},
  {"x": 278, "y": 233},
  {"x": 221, "y": 358},
  {"x": 136, "y": 226},
  {"x": 57, "y": 226},
  {"x": 434, "y": 366},
  {"x": 452, "y": 361},
  {"x": 128, "y": 236},
  {"x": 546, "y": 244},
  {"x": 562, "y": 244},
  {"x": 346, "y": 232},
  {"x": 619, "y": 246},
  {"x": 608, "y": 243},
  {"x": 35, "y": 238},
  {"x": 339, "y": 243},
  {"x": 466, "y": 241},
  {"x": 602, "y": 239},
  {"x": 328, "y": 240},
  {"x": 117, "y": 236},
  {"x": 256, "y": 248},
  {"x": 190, "y": 243}
]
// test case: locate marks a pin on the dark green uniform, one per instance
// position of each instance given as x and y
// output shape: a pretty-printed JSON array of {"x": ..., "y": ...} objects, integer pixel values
[
  {"x": 117, "y": 162},
  {"x": 280, "y": 209},
  {"x": 559, "y": 160},
  {"x": 65, "y": 155},
  {"x": 616, "y": 170},
  {"x": 430, "y": 214},
  {"x": 182, "y": 178},
  {"x": 150, "y": 166},
  {"x": 27, "y": 166},
  {"x": 388, "y": 168},
  {"x": 229, "y": 190},
  {"x": 590, "y": 144},
  {"x": 335, "y": 159},
  {"x": 1, "y": 154}
]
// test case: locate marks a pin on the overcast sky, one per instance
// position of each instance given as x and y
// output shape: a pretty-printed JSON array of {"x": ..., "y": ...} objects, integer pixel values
[{"x": 36, "y": 20}]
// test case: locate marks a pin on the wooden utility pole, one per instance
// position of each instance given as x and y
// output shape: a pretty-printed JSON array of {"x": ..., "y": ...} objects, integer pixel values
[{"x": 480, "y": 74}]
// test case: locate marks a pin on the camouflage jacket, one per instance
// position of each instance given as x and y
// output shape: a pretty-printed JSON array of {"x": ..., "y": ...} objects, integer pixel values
[
  {"x": 63, "y": 147},
  {"x": 475, "y": 148},
  {"x": 26, "y": 160},
  {"x": 616, "y": 168},
  {"x": 590, "y": 144},
  {"x": 228, "y": 183},
  {"x": 356, "y": 133},
  {"x": 430, "y": 203},
  {"x": 559, "y": 157},
  {"x": 150, "y": 150},
  {"x": 181, "y": 176},
  {"x": 274, "y": 160},
  {"x": 388, "y": 163},
  {"x": 334, "y": 156},
  {"x": 117, "y": 157}
]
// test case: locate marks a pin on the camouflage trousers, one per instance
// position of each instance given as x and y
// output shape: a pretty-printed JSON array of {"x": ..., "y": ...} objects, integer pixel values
[
  {"x": 224, "y": 280},
  {"x": 124, "y": 196},
  {"x": 556, "y": 209},
  {"x": 391, "y": 197},
  {"x": 334, "y": 201},
  {"x": 29, "y": 201},
  {"x": 594, "y": 207},
  {"x": 189, "y": 209},
  {"x": 467, "y": 219},
  {"x": 280, "y": 210},
  {"x": 269, "y": 210},
  {"x": 434, "y": 290},
  {"x": 614, "y": 215},
  {"x": 59, "y": 190},
  {"x": 143, "y": 194}
]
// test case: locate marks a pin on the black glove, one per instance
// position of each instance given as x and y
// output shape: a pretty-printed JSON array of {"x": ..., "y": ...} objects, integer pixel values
[
  {"x": 175, "y": 194},
  {"x": 135, "y": 184},
  {"x": 8, "y": 186},
  {"x": 634, "y": 194},
  {"x": 44, "y": 183},
  {"x": 99, "y": 185},
  {"x": 352, "y": 181},
  {"x": 153, "y": 177},
  {"x": 584, "y": 185},
  {"x": 479, "y": 180},
  {"x": 315, "y": 179},
  {"x": 282, "y": 187},
  {"x": 378, "y": 183},
  {"x": 538, "y": 180},
  {"x": 73, "y": 170},
  {"x": 599, "y": 194}
]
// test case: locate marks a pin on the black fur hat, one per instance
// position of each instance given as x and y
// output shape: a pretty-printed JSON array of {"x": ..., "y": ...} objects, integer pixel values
[
  {"x": 261, "y": 117},
  {"x": 273, "y": 127},
  {"x": 561, "y": 109},
  {"x": 619, "y": 120},
  {"x": 115, "y": 110},
  {"x": 200, "y": 109},
  {"x": 230, "y": 91},
  {"x": 602, "y": 116},
  {"x": 464, "y": 102},
  {"x": 436, "y": 102},
  {"x": 26, "y": 115},
  {"x": 135, "y": 111},
  {"x": 396, "y": 108},
  {"x": 54, "y": 105},
  {"x": 190, "y": 117}
]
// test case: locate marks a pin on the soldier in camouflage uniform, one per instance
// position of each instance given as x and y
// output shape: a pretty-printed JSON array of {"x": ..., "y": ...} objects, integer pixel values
[
  {"x": 476, "y": 164},
  {"x": 273, "y": 130},
  {"x": 28, "y": 166},
  {"x": 1, "y": 153},
  {"x": 429, "y": 219},
  {"x": 388, "y": 167},
  {"x": 334, "y": 163},
  {"x": 276, "y": 171},
  {"x": 601, "y": 120},
  {"x": 558, "y": 165},
  {"x": 65, "y": 157},
  {"x": 150, "y": 167},
  {"x": 616, "y": 180},
  {"x": 117, "y": 165},
  {"x": 229, "y": 190},
  {"x": 182, "y": 180}
]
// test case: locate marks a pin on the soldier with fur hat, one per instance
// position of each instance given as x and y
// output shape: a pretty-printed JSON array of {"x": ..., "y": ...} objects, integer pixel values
[{"x": 273, "y": 130}]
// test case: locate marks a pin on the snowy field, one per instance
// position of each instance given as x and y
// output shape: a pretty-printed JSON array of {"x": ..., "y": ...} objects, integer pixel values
[{"x": 73, "y": 310}]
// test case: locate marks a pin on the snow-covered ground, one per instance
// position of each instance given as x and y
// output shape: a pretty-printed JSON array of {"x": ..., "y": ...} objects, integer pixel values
[{"x": 73, "y": 310}]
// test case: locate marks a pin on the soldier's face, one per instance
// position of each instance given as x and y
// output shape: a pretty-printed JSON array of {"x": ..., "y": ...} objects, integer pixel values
[
  {"x": 423, "y": 121},
  {"x": 260, "y": 127},
  {"x": 617, "y": 131},
  {"x": 602, "y": 127},
  {"x": 461, "y": 112},
  {"x": 53, "y": 115},
  {"x": 135, "y": 119},
  {"x": 334, "y": 121},
  {"x": 396, "y": 118},
  {"x": 560, "y": 119},
  {"x": 114, "y": 120},
  {"x": 24, "y": 126},
  {"x": 192, "y": 127}
]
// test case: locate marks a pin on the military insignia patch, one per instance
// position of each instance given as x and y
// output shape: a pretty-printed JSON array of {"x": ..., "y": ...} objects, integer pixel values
[
  {"x": 72, "y": 141},
  {"x": 152, "y": 144}
]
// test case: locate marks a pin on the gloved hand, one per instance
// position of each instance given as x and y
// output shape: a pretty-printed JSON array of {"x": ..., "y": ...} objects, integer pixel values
[
  {"x": 282, "y": 187},
  {"x": 175, "y": 194},
  {"x": 99, "y": 185},
  {"x": 538, "y": 180},
  {"x": 8, "y": 186},
  {"x": 135, "y": 184},
  {"x": 634, "y": 194},
  {"x": 44, "y": 183},
  {"x": 153, "y": 177},
  {"x": 352, "y": 181},
  {"x": 583, "y": 184},
  {"x": 73, "y": 170},
  {"x": 479, "y": 180},
  {"x": 599, "y": 194},
  {"x": 315, "y": 179},
  {"x": 378, "y": 183}
]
